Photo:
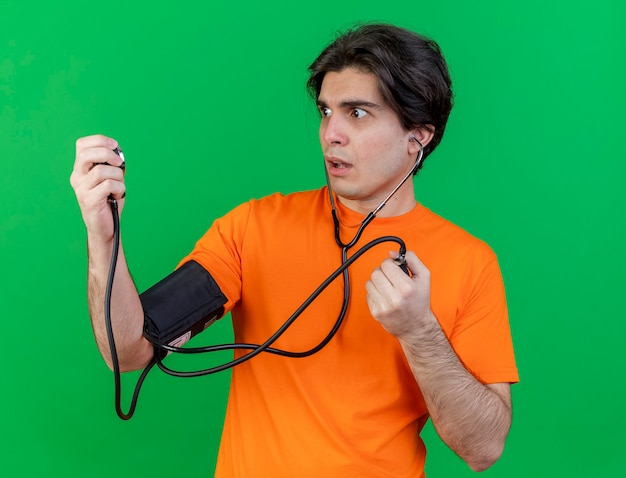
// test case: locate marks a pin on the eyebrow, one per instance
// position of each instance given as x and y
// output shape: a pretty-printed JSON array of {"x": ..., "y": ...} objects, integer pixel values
[{"x": 355, "y": 103}]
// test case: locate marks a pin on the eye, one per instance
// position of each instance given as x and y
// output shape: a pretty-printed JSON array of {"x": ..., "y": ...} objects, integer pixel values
[
  {"x": 325, "y": 111},
  {"x": 358, "y": 113}
]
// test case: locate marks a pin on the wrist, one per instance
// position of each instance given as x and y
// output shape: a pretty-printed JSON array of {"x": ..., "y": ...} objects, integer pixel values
[
  {"x": 99, "y": 251},
  {"x": 423, "y": 328},
  {"x": 427, "y": 341}
]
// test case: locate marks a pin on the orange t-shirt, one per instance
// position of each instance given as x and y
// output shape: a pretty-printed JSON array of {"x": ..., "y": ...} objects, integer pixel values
[{"x": 353, "y": 409}]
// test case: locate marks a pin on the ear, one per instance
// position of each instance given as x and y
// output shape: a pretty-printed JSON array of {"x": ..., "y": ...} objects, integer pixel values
[{"x": 424, "y": 135}]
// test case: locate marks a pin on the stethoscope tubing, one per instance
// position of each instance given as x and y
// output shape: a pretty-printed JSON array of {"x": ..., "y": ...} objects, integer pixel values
[{"x": 255, "y": 349}]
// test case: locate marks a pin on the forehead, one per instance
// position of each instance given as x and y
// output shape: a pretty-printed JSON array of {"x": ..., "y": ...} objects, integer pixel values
[{"x": 350, "y": 84}]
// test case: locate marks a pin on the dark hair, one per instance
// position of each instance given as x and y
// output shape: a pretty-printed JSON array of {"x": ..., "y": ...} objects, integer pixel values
[{"x": 412, "y": 74}]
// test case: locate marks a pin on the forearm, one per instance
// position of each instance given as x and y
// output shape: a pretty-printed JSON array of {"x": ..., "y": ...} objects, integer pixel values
[
  {"x": 471, "y": 417},
  {"x": 133, "y": 350}
]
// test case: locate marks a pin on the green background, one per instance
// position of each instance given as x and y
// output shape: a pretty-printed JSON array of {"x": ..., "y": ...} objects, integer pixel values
[{"x": 208, "y": 102}]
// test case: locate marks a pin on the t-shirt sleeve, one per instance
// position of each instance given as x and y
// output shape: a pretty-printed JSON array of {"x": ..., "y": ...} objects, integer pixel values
[
  {"x": 219, "y": 252},
  {"x": 481, "y": 335}
]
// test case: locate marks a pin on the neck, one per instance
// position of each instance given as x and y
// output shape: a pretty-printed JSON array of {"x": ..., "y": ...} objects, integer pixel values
[{"x": 401, "y": 202}]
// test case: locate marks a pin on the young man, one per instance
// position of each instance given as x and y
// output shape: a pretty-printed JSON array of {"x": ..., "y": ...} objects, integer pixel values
[{"x": 431, "y": 343}]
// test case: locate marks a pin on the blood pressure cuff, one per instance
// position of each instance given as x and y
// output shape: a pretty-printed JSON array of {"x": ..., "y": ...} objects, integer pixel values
[{"x": 182, "y": 305}]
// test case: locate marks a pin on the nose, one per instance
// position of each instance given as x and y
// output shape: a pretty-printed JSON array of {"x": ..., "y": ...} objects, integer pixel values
[{"x": 333, "y": 131}]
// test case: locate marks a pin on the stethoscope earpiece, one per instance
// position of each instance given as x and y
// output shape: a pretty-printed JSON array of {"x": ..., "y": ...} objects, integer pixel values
[{"x": 418, "y": 161}]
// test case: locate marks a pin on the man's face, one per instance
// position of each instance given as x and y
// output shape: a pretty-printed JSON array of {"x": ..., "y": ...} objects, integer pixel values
[{"x": 366, "y": 150}]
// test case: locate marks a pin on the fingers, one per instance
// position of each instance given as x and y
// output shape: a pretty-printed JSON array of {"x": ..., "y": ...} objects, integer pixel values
[
  {"x": 96, "y": 140},
  {"x": 102, "y": 181},
  {"x": 394, "y": 274},
  {"x": 94, "y": 150},
  {"x": 387, "y": 285},
  {"x": 389, "y": 282},
  {"x": 96, "y": 177},
  {"x": 398, "y": 302},
  {"x": 386, "y": 277}
]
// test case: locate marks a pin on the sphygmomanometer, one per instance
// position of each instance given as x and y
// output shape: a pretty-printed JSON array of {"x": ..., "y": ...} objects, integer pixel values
[{"x": 189, "y": 300}]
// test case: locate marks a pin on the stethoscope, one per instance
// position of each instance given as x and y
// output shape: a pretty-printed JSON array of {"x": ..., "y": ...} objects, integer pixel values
[
  {"x": 255, "y": 349},
  {"x": 345, "y": 247},
  {"x": 372, "y": 214}
]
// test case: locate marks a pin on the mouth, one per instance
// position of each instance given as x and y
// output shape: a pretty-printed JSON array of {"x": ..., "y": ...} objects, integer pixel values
[{"x": 337, "y": 167}]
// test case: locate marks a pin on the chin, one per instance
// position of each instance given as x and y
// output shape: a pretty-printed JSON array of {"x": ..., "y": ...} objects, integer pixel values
[{"x": 351, "y": 194}]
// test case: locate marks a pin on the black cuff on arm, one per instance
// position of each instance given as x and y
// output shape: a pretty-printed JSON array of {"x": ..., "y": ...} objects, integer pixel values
[{"x": 182, "y": 305}]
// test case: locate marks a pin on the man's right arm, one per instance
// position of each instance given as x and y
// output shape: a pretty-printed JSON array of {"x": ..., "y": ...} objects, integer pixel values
[{"x": 93, "y": 182}]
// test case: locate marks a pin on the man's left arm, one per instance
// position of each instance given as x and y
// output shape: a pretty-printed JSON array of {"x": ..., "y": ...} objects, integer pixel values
[{"x": 472, "y": 418}]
